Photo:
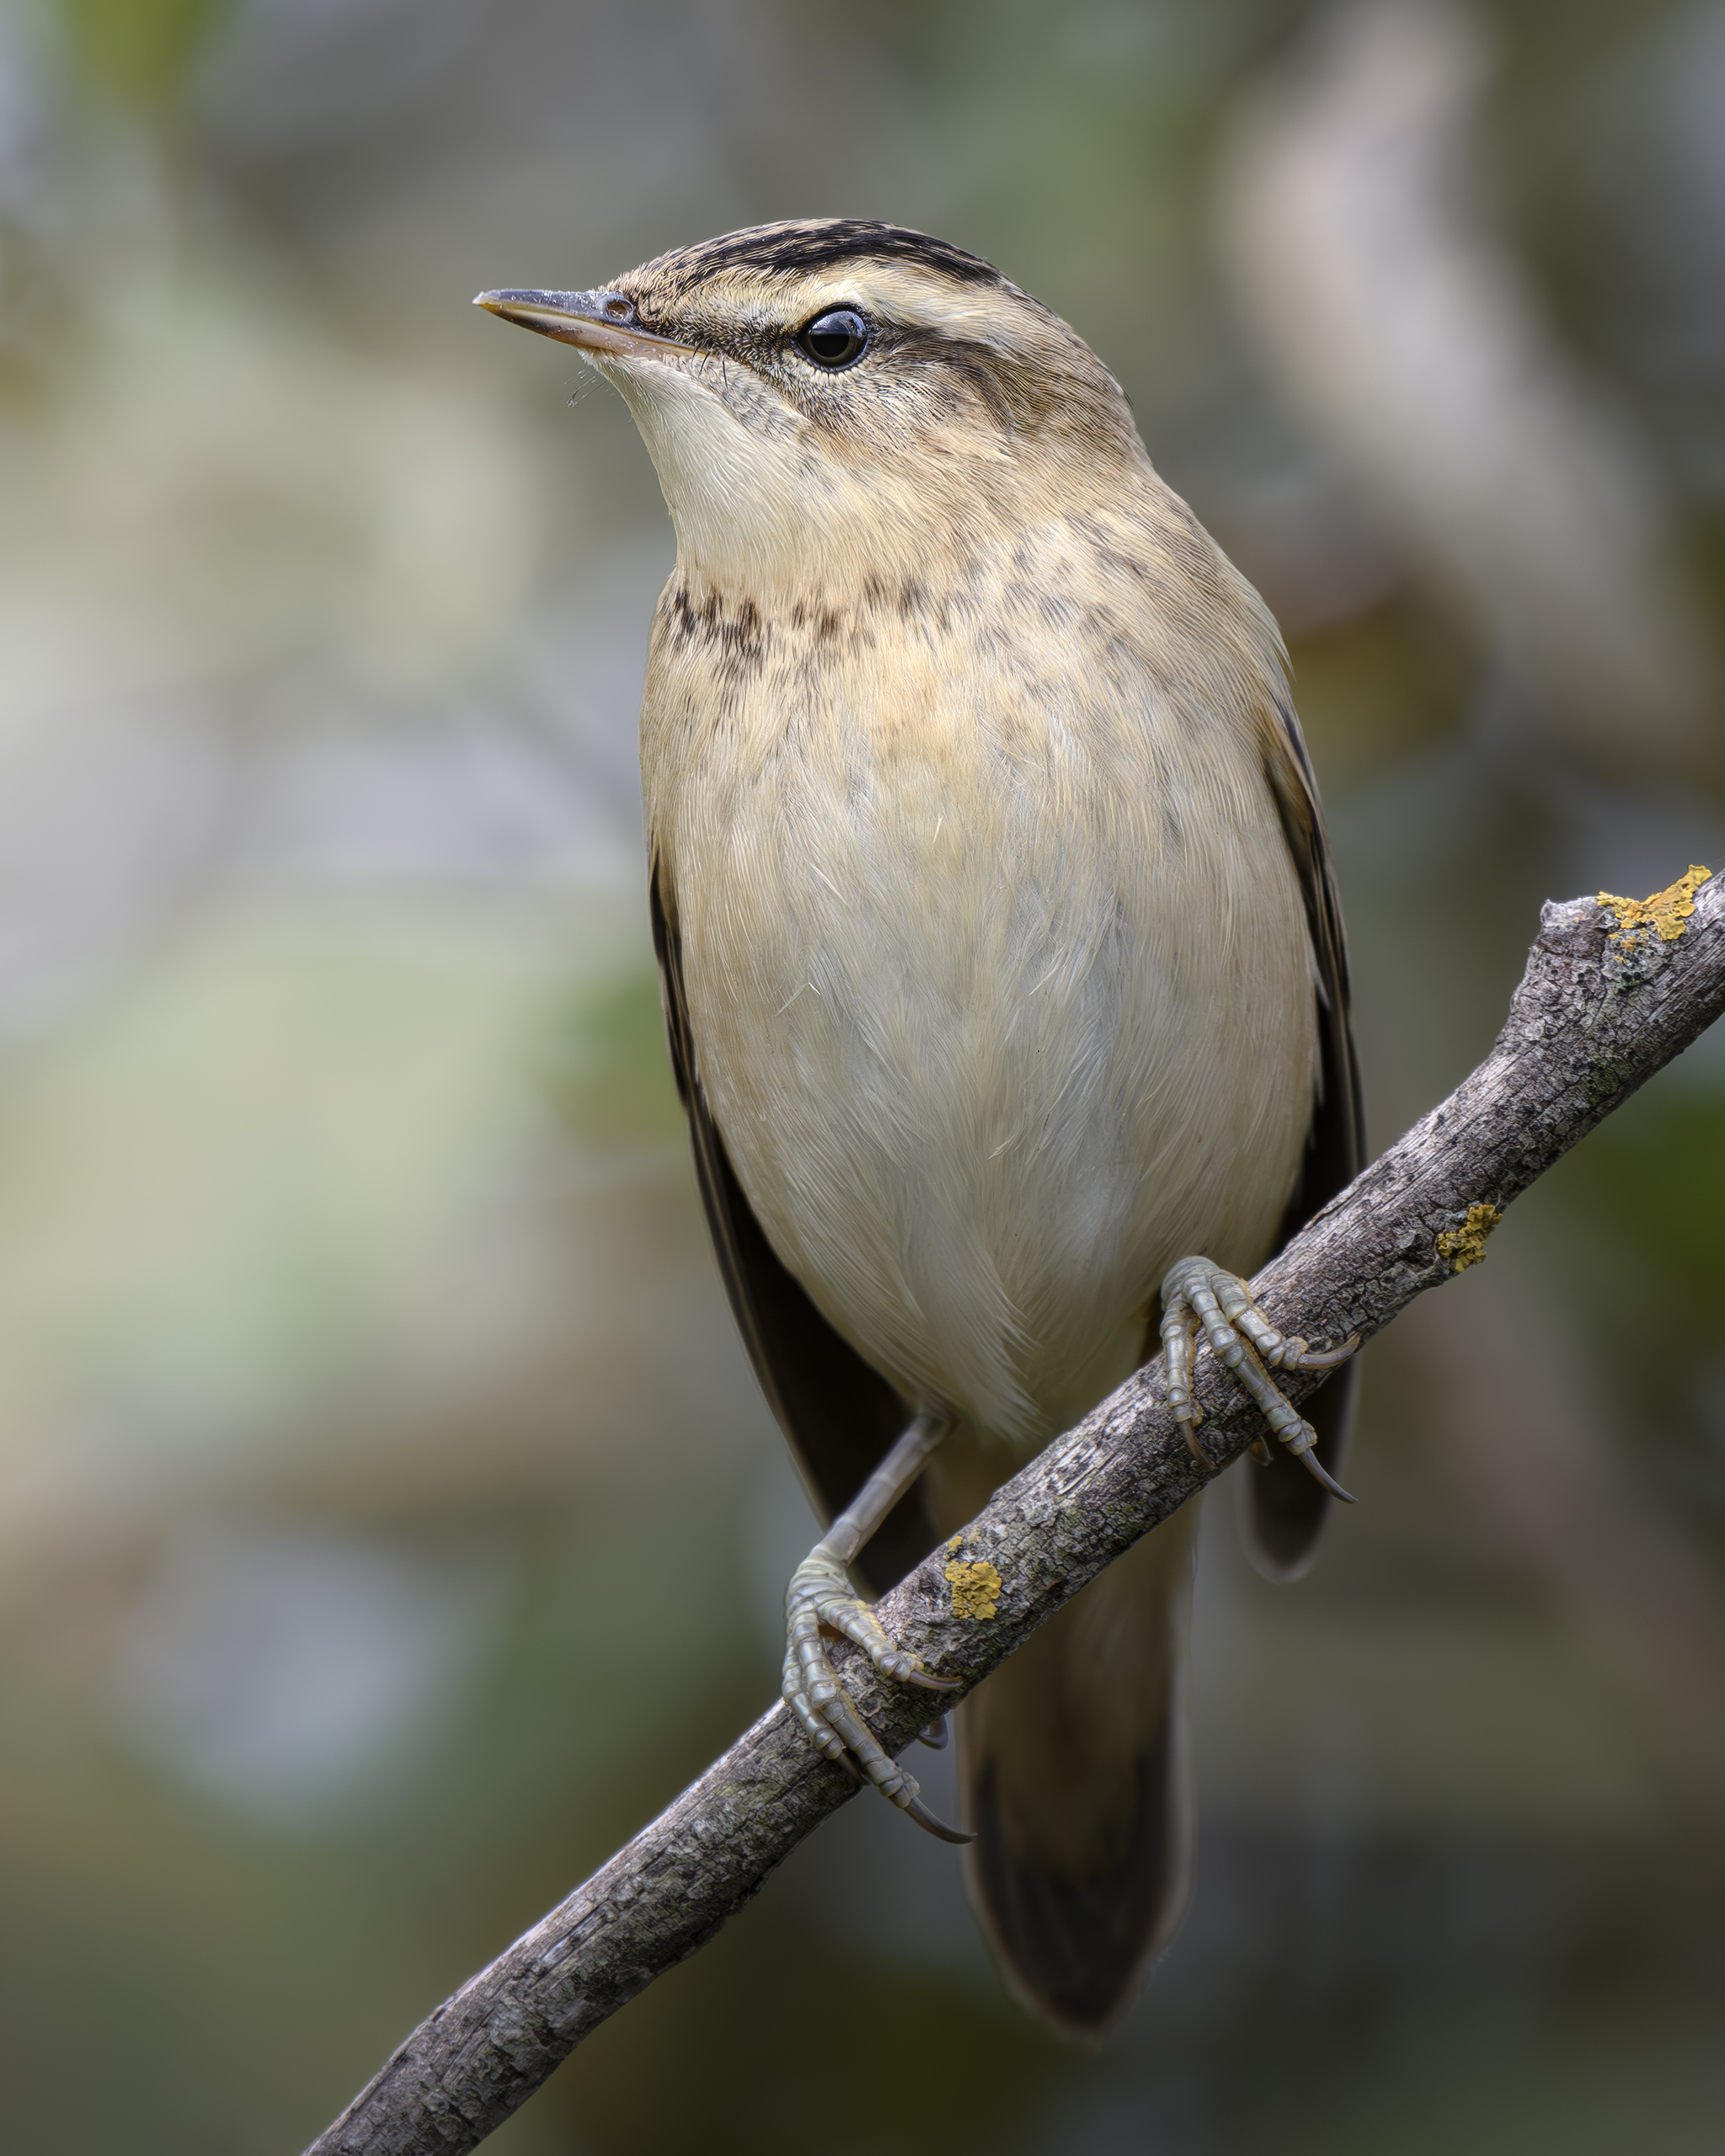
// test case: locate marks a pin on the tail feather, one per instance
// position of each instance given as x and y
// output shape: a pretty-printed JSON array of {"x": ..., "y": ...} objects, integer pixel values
[
  {"x": 1283, "y": 1506},
  {"x": 1074, "y": 1769}
]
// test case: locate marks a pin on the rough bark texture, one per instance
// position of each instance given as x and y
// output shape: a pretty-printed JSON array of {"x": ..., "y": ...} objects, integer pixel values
[{"x": 1610, "y": 997}]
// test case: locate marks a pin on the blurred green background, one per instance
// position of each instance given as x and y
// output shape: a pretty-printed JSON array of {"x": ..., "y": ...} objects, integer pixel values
[{"x": 388, "y": 1523}]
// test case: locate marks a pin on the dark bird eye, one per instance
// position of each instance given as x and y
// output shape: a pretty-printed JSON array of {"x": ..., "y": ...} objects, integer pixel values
[{"x": 835, "y": 340}]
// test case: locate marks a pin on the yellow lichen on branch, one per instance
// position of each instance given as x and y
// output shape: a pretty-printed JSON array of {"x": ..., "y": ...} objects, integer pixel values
[
  {"x": 976, "y": 1587},
  {"x": 1466, "y": 1246},
  {"x": 1666, "y": 911}
]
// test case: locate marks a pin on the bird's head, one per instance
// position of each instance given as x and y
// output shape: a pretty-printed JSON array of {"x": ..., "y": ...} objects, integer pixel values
[{"x": 832, "y": 394}]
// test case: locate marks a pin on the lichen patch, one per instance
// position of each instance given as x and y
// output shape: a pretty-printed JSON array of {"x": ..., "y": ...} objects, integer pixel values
[
  {"x": 1664, "y": 912},
  {"x": 1466, "y": 1246},
  {"x": 976, "y": 1587}
]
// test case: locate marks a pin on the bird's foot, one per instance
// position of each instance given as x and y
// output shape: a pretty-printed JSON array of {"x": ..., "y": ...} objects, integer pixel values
[
  {"x": 820, "y": 1598},
  {"x": 1200, "y": 1297}
]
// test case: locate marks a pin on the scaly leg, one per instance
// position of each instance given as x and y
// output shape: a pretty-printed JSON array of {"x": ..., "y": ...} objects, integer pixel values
[
  {"x": 821, "y": 1596},
  {"x": 1198, "y": 1296}
]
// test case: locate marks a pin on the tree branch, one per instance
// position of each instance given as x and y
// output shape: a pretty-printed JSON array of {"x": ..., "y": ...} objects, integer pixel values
[{"x": 1612, "y": 992}]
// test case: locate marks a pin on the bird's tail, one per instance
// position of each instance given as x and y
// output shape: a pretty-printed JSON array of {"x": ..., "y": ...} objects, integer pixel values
[
  {"x": 1073, "y": 1764},
  {"x": 1282, "y": 1506}
]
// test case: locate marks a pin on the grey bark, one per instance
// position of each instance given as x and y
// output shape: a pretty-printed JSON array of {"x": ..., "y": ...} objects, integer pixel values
[{"x": 1605, "y": 1002}]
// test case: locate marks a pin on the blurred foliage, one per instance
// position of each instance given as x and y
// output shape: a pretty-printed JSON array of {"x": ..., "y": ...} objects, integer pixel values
[
  {"x": 880, "y": 2057},
  {"x": 605, "y": 1071},
  {"x": 143, "y": 49},
  {"x": 1646, "y": 1190}
]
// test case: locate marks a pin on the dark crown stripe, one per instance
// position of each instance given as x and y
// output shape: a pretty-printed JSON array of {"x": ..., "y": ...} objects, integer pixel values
[{"x": 778, "y": 247}]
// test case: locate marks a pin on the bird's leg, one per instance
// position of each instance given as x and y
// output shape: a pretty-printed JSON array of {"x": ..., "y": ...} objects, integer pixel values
[
  {"x": 821, "y": 1597},
  {"x": 1199, "y": 1297}
]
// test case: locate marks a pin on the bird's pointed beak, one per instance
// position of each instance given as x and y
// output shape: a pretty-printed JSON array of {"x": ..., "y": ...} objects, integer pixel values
[{"x": 602, "y": 323}]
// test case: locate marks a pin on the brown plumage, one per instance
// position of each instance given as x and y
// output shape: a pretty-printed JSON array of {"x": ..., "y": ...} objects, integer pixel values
[{"x": 1002, "y": 957}]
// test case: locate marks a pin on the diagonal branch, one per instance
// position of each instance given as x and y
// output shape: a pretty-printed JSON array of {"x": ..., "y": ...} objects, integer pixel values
[{"x": 1612, "y": 992}]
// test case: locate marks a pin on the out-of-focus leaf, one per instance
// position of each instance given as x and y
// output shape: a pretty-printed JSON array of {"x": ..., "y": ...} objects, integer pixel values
[
  {"x": 1649, "y": 1184},
  {"x": 606, "y": 1070},
  {"x": 144, "y": 49},
  {"x": 220, "y": 1189}
]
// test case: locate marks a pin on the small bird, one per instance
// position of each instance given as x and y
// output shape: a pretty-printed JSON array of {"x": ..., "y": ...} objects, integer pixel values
[{"x": 1003, "y": 969}]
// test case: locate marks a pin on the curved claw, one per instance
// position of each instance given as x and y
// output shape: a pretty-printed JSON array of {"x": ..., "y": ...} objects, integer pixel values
[
  {"x": 929, "y": 1681},
  {"x": 934, "y": 1734},
  {"x": 1326, "y": 1359},
  {"x": 1314, "y": 1466},
  {"x": 918, "y": 1811}
]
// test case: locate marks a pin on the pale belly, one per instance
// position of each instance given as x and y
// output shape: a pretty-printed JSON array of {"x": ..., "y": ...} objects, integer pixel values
[{"x": 989, "y": 1048}]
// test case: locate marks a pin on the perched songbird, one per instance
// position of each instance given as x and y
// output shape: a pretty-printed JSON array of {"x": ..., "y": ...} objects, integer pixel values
[{"x": 1003, "y": 966}]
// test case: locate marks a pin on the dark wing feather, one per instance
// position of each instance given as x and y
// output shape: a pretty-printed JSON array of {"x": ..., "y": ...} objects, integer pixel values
[
  {"x": 1286, "y": 1507},
  {"x": 839, "y": 1413}
]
